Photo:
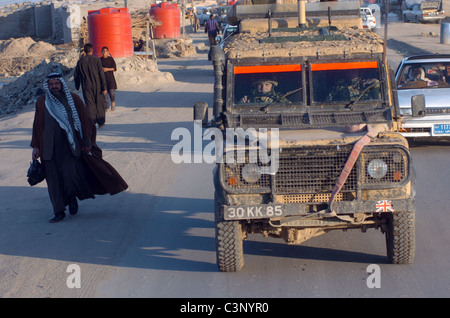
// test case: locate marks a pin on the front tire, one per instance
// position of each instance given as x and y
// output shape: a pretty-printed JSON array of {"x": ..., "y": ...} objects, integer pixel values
[
  {"x": 229, "y": 246},
  {"x": 401, "y": 237}
]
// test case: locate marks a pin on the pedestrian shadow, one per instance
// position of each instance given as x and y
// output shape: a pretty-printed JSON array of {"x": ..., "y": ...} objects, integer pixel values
[{"x": 125, "y": 230}]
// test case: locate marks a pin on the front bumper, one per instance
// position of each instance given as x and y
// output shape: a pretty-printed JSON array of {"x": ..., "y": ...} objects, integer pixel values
[
  {"x": 277, "y": 211},
  {"x": 426, "y": 128}
]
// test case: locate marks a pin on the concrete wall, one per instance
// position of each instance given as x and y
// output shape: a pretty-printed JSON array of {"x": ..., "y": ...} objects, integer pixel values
[
  {"x": 43, "y": 21},
  {"x": 56, "y": 21},
  {"x": 17, "y": 24}
]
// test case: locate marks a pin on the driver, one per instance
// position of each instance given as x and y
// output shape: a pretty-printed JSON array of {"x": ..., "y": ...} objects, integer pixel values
[
  {"x": 263, "y": 91},
  {"x": 416, "y": 73}
]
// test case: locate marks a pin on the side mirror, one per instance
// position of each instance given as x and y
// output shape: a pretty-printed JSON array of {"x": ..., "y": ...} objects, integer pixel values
[
  {"x": 418, "y": 105},
  {"x": 201, "y": 112}
]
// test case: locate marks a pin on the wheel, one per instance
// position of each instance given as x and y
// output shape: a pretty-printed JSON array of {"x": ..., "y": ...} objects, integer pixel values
[
  {"x": 229, "y": 241},
  {"x": 401, "y": 237},
  {"x": 229, "y": 246}
]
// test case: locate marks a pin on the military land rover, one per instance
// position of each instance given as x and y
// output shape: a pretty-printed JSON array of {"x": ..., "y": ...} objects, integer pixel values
[{"x": 310, "y": 104}]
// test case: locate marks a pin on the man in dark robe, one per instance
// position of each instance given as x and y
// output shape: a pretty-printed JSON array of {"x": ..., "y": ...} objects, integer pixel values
[
  {"x": 62, "y": 130},
  {"x": 89, "y": 74},
  {"x": 64, "y": 138}
]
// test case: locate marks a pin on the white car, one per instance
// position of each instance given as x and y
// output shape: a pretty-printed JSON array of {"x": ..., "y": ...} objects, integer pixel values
[
  {"x": 428, "y": 75},
  {"x": 203, "y": 14},
  {"x": 426, "y": 11},
  {"x": 369, "y": 21}
]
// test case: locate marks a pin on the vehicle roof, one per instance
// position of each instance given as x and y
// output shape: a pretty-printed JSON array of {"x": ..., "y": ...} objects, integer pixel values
[
  {"x": 426, "y": 58},
  {"x": 346, "y": 41}
]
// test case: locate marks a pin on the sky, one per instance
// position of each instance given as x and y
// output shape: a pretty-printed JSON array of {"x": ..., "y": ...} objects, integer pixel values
[{"x": 5, "y": 2}]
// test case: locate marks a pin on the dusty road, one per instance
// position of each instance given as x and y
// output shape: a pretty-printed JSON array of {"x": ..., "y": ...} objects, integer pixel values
[{"x": 157, "y": 238}]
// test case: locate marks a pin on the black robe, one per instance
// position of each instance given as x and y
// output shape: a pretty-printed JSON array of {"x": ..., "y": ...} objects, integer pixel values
[
  {"x": 72, "y": 173},
  {"x": 66, "y": 171},
  {"x": 89, "y": 73}
]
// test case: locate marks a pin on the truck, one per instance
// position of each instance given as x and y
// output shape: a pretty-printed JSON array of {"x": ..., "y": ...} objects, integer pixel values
[{"x": 304, "y": 116}]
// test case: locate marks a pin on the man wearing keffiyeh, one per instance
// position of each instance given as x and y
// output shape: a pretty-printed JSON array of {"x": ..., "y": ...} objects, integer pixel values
[{"x": 62, "y": 131}]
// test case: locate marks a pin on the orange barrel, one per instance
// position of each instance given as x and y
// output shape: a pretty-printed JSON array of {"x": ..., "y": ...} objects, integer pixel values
[
  {"x": 111, "y": 27},
  {"x": 169, "y": 16}
]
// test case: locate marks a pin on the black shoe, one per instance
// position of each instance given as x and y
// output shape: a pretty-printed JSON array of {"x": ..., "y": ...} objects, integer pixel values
[
  {"x": 73, "y": 206},
  {"x": 57, "y": 217}
]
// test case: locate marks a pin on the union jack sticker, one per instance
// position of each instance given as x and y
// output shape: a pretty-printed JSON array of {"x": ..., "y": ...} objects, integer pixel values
[{"x": 384, "y": 206}]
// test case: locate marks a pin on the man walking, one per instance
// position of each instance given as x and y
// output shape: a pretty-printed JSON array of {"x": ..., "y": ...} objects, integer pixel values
[
  {"x": 89, "y": 74},
  {"x": 212, "y": 28},
  {"x": 64, "y": 139},
  {"x": 62, "y": 130}
]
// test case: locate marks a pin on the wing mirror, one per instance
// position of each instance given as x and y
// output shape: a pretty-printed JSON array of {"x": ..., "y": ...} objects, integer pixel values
[{"x": 418, "y": 105}]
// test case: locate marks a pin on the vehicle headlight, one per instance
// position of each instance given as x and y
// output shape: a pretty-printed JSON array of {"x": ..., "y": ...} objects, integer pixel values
[
  {"x": 377, "y": 168},
  {"x": 251, "y": 173}
]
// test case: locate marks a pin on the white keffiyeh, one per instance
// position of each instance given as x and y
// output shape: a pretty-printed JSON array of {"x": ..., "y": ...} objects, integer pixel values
[{"x": 58, "y": 111}]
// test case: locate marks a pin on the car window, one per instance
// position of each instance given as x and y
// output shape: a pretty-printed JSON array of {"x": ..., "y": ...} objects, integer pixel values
[
  {"x": 268, "y": 84},
  {"x": 346, "y": 82},
  {"x": 420, "y": 75}
]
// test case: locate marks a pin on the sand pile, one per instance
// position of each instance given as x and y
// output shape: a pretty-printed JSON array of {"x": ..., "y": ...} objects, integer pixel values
[
  {"x": 131, "y": 71},
  {"x": 138, "y": 71},
  {"x": 25, "y": 47},
  {"x": 20, "y": 55},
  {"x": 175, "y": 48}
]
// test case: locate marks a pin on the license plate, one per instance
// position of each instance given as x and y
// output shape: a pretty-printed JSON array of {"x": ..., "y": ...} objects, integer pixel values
[
  {"x": 252, "y": 212},
  {"x": 441, "y": 129}
]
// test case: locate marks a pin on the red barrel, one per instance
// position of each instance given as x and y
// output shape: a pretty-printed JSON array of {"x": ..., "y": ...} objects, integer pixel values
[
  {"x": 111, "y": 27},
  {"x": 169, "y": 16}
]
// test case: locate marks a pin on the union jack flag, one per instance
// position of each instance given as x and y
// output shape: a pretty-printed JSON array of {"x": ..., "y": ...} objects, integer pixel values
[{"x": 384, "y": 206}]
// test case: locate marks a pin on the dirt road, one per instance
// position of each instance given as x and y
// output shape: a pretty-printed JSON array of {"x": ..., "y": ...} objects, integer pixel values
[{"x": 157, "y": 238}]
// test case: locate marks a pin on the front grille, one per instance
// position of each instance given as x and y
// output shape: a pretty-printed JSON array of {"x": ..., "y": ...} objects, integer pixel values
[
  {"x": 312, "y": 170},
  {"x": 310, "y": 174},
  {"x": 316, "y": 198},
  {"x": 437, "y": 111}
]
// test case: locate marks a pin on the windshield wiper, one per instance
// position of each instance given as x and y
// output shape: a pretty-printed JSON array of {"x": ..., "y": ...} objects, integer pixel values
[
  {"x": 364, "y": 92},
  {"x": 280, "y": 98}
]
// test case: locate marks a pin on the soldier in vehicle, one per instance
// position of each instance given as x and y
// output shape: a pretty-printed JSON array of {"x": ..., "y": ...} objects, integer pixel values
[
  {"x": 263, "y": 91},
  {"x": 354, "y": 88}
]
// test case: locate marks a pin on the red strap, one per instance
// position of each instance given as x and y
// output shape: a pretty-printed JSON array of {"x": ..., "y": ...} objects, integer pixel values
[{"x": 357, "y": 148}]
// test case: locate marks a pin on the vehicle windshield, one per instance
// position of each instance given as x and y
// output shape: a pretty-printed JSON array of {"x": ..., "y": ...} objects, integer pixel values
[
  {"x": 268, "y": 84},
  {"x": 425, "y": 75},
  {"x": 348, "y": 82}
]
